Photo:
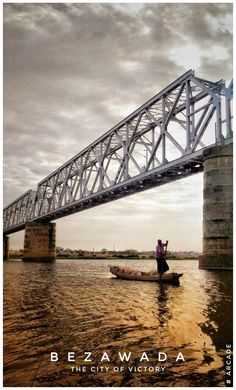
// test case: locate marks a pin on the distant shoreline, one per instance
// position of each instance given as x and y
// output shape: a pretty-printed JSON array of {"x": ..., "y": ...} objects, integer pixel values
[{"x": 109, "y": 258}]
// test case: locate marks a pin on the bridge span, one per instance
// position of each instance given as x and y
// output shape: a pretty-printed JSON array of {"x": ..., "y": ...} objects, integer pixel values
[{"x": 166, "y": 139}]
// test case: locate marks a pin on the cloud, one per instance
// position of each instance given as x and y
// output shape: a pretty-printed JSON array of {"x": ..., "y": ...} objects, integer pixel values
[{"x": 72, "y": 71}]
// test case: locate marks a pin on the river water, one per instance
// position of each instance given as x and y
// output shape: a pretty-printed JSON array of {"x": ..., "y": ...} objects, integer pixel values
[{"x": 77, "y": 306}]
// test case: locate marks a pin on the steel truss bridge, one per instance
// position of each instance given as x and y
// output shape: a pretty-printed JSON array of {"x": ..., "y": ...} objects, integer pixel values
[{"x": 162, "y": 141}]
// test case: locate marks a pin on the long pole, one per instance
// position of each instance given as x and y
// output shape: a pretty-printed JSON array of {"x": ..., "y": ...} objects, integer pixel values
[{"x": 166, "y": 248}]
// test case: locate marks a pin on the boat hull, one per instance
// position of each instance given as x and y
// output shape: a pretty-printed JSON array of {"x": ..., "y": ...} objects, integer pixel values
[{"x": 172, "y": 278}]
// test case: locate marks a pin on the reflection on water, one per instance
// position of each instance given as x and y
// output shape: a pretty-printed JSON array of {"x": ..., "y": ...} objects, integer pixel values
[{"x": 78, "y": 306}]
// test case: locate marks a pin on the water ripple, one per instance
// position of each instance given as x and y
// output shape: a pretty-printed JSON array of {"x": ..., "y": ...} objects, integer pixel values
[{"x": 78, "y": 306}]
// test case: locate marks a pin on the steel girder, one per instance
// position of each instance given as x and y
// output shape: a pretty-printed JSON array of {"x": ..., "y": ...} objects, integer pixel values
[
  {"x": 161, "y": 141},
  {"x": 18, "y": 212}
]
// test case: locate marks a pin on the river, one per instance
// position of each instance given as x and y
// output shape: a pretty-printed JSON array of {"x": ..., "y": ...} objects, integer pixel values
[{"x": 77, "y": 306}]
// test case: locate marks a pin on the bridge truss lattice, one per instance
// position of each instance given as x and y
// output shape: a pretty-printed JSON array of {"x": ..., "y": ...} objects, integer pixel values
[{"x": 162, "y": 141}]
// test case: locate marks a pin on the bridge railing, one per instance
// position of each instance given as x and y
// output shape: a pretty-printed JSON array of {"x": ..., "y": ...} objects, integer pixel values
[{"x": 180, "y": 121}]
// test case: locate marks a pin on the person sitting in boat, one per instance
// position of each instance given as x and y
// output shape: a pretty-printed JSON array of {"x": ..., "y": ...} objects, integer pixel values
[{"x": 162, "y": 265}]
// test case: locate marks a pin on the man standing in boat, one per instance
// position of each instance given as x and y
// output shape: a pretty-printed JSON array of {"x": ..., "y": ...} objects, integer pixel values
[{"x": 162, "y": 265}]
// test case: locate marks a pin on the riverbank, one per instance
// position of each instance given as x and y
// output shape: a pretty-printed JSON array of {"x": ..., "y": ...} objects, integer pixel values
[{"x": 109, "y": 258}]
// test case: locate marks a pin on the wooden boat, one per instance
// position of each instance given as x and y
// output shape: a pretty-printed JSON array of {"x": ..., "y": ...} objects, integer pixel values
[{"x": 131, "y": 274}]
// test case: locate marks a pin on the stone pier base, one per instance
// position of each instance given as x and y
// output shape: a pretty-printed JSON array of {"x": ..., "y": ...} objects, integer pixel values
[
  {"x": 6, "y": 241},
  {"x": 40, "y": 242},
  {"x": 218, "y": 208}
]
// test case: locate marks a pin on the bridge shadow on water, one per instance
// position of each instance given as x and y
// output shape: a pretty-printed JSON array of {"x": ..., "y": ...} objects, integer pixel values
[{"x": 76, "y": 306}]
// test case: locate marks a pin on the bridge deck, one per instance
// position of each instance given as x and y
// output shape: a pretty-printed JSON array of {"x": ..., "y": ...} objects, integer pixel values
[{"x": 161, "y": 141}]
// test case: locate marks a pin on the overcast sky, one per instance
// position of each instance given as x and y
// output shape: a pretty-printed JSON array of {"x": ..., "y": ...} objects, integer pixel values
[{"x": 71, "y": 72}]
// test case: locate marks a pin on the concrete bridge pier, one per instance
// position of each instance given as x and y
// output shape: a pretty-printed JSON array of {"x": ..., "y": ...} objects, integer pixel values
[
  {"x": 6, "y": 240},
  {"x": 40, "y": 242},
  {"x": 218, "y": 208}
]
